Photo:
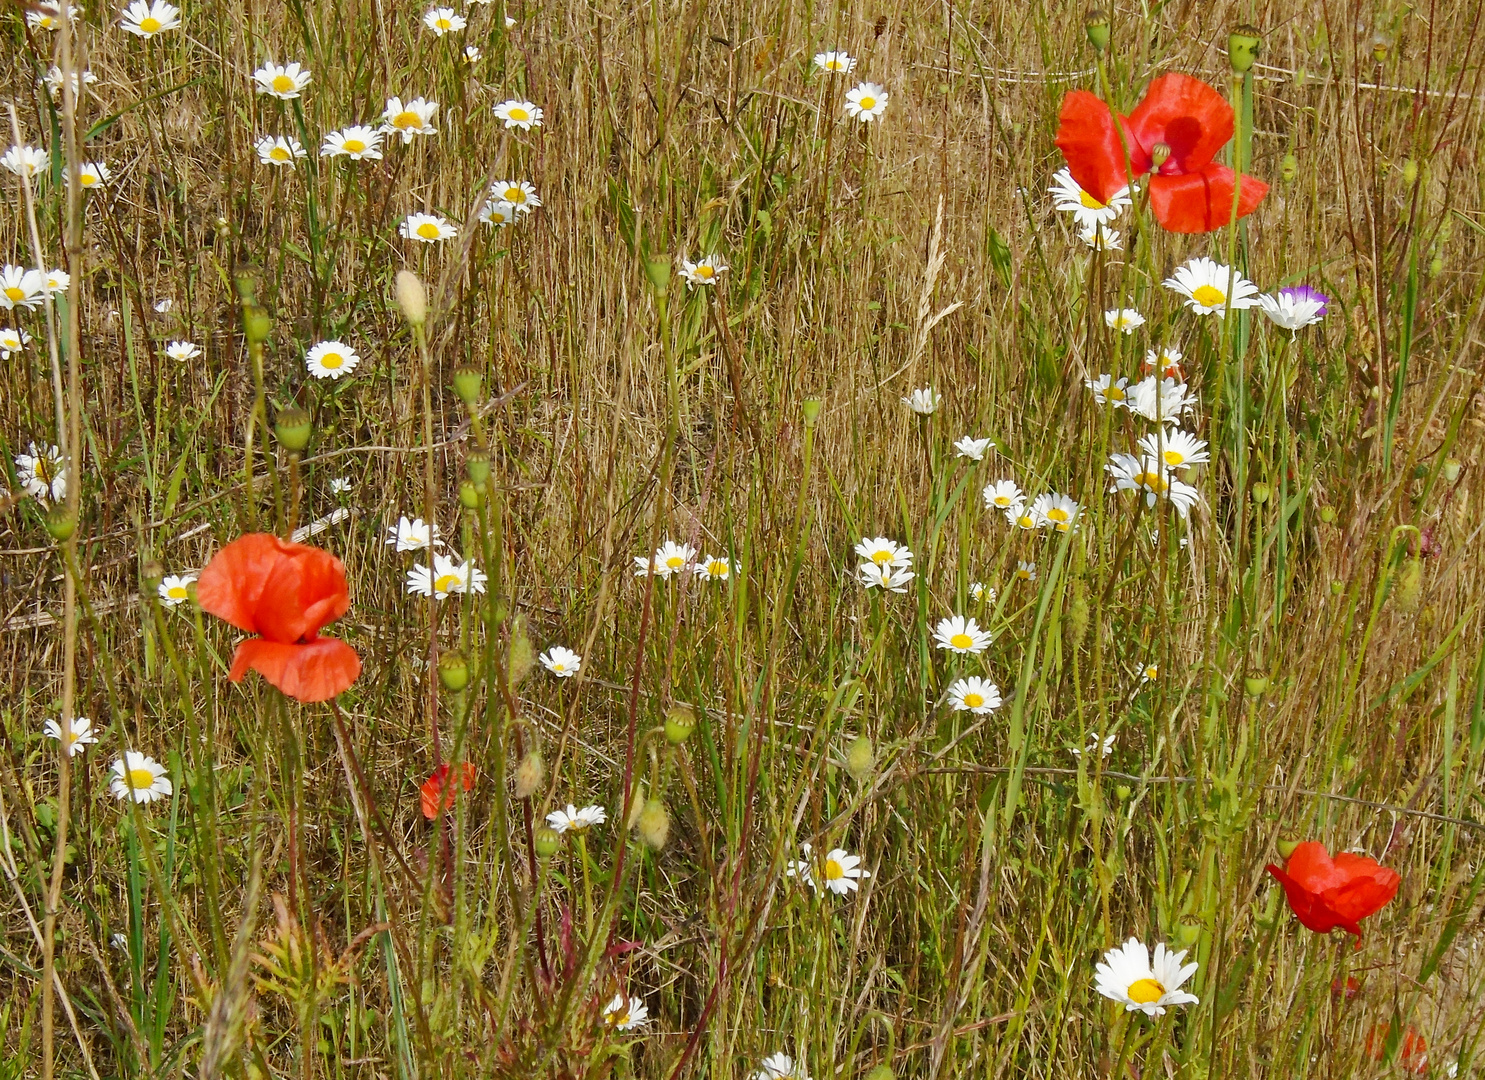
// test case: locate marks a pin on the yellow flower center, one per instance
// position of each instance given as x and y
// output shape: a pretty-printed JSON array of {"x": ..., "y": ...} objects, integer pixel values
[
  {"x": 177, "y": 592},
  {"x": 332, "y": 360},
  {"x": 1002, "y": 500},
  {"x": 619, "y": 1019},
  {"x": 1090, "y": 203},
  {"x": 559, "y": 666},
  {"x": 514, "y": 195},
  {"x": 407, "y": 119},
  {"x": 1151, "y": 480},
  {"x": 1026, "y": 521},
  {"x": 279, "y": 153},
  {"x": 150, "y": 25},
  {"x": 428, "y": 230},
  {"x": 833, "y": 870},
  {"x": 141, "y": 779},
  {"x": 1144, "y": 991},
  {"x": 1173, "y": 457},
  {"x": 675, "y": 562},
  {"x": 1056, "y": 514},
  {"x": 282, "y": 84},
  {"x": 445, "y": 582},
  {"x": 705, "y": 271},
  {"x": 974, "y": 701},
  {"x": 716, "y": 568},
  {"x": 1152, "y": 671},
  {"x": 868, "y": 103},
  {"x": 881, "y": 556},
  {"x": 961, "y": 641},
  {"x": 442, "y": 23},
  {"x": 353, "y": 146},
  {"x": 1208, "y": 296},
  {"x": 15, "y": 294},
  {"x": 834, "y": 65},
  {"x": 1024, "y": 575},
  {"x": 88, "y": 179},
  {"x": 1114, "y": 393}
]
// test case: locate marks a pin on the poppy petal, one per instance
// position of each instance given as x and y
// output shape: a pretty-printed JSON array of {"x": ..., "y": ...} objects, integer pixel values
[
  {"x": 306, "y": 590},
  {"x": 1307, "y": 908},
  {"x": 1089, "y": 140},
  {"x": 231, "y": 585},
  {"x": 316, "y": 671},
  {"x": 1187, "y": 115},
  {"x": 1202, "y": 201}
]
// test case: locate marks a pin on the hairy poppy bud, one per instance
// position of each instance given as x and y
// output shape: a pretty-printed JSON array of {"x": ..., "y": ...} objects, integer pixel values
[
  {"x": 636, "y": 805},
  {"x": 412, "y": 297},
  {"x": 657, "y": 270},
  {"x": 468, "y": 384},
  {"x": 860, "y": 759},
  {"x": 1337, "y": 587},
  {"x": 1078, "y": 614},
  {"x": 1410, "y": 172},
  {"x": 653, "y": 825},
  {"x": 477, "y": 465},
  {"x": 453, "y": 671},
  {"x": 1096, "y": 26},
  {"x": 1435, "y": 266},
  {"x": 546, "y": 841},
  {"x": 529, "y": 774},
  {"x": 1409, "y": 587},
  {"x": 293, "y": 427},
  {"x": 680, "y": 721},
  {"x": 1243, "y": 46},
  {"x": 522, "y": 655},
  {"x": 61, "y": 523}
]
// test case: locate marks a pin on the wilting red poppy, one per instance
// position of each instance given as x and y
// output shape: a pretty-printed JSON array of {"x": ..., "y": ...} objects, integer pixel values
[
  {"x": 1326, "y": 893},
  {"x": 285, "y": 593},
  {"x": 1412, "y": 1050},
  {"x": 1180, "y": 117},
  {"x": 437, "y": 785}
]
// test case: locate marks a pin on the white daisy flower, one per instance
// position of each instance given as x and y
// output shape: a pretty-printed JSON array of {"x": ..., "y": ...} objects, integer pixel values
[
  {"x": 1022, "y": 517},
  {"x": 163, "y": 307},
  {"x": 42, "y": 473},
  {"x": 57, "y": 282},
  {"x": 519, "y": 193},
  {"x": 961, "y": 635},
  {"x": 780, "y": 1067},
  {"x": 886, "y": 577},
  {"x": 1149, "y": 673},
  {"x": 574, "y": 820},
  {"x": 1165, "y": 400},
  {"x": 1153, "y": 479},
  {"x": 1087, "y": 211},
  {"x": 341, "y": 486},
  {"x": 93, "y": 174},
  {"x": 12, "y": 341},
  {"x": 704, "y": 271},
  {"x": 331, "y": 360},
  {"x": 139, "y": 777},
  {"x": 25, "y": 161},
  {"x": 175, "y": 589},
  {"x": 1102, "y": 238},
  {"x": 357, "y": 142},
  {"x": 866, "y": 102},
  {"x": 1093, "y": 745},
  {"x": 1003, "y": 495},
  {"x": 1125, "y": 320},
  {"x": 670, "y": 558},
  {"x": 839, "y": 63},
  {"x": 1165, "y": 360},
  {"x": 21, "y": 288},
  {"x": 978, "y": 591},
  {"x": 498, "y": 214},
  {"x": 1295, "y": 307},
  {"x": 1025, "y": 571},
  {"x": 713, "y": 568},
  {"x": 1108, "y": 390},
  {"x": 442, "y": 20},
  {"x": 974, "y": 449},
  {"x": 561, "y": 662},
  {"x": 519, "y": 114},
  {"x": 923, "y": 401},
  {"x": 278, "y": 150},
  {"x": 447, "y": 575},
  {"x": 1127, "y": 975},
  {"x": 47, "y": 15},
  {"x": 410, "y": 120},
  {"x": 1204, "y": 283},
  {"x": 411, "y": 535},
  {"x": 974, "y": 695},
  {"x": 183, "y": 351},
  {"x": 841, "y": 871},
  {"x": 1055, "y": 511},
  {"x": 427, "y": 228},
  {"x": 472, "y": 54},
  {"x": 626, "y": 1014},
  {"x": 884, "y": 552},
  {"x": 285, "y": 82},
  {"x": 53, "y": 78},
  {"x": 147, "y": 20},
  {"x": 79, "y": 735},
  {"x": 1174, "y": 448}
]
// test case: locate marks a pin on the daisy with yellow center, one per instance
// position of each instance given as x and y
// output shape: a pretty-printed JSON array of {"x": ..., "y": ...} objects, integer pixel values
[
  {"x": 961, "y": 635},
  {"x": 883, "y": 552},
  {"x": 670, "y": 558},
  {"x": 331, "y": 360},
  {"x": 93, "y": 174},
  {"x": 12, "y": 341},
  {"x": 625, "y": 1014},
  {"x": 1130, "y": 976},
  {"x": 1025, "y": 571},
  {"x": 175, "y": 589},
  {"x": 442, "y": 20},
  {"x": 974, "y": 695},
  {"x": 838, "y": 63},
  {"x": 1054, "y": 511},
  {"x": 356, "y": 142},
  {"x": 1087, "y": 212},
  {"x": 574, "y": 820},
  {"x": 1153, "y": 478},
  {"x": 77, "y": 738},
  {"x": 428, "y": 228},
  {"x": 25, "y": 161},
  {"x": 519, "y": 114},
  {"x": 284, "y": 82},
  {"x": 1124, "y": 320},
  {"x": 704, "y": 271},
  {"x": 21, "y": 288},
  {"x": 139, "y": 777},
  {"x": 839, "y": 872},
  {"x": 1003, "y": 495},
  {"x": 1205, "y": 284},
  {"x": 1108, "y": 390},
  {"x": 279, "y": 151},
  {"x": 866, "y": 102},
  {"x": 714, "y": 568},
  {"x": 147, "y": 20},
  {"x": 520, "y": 194},
  {"x": 444, "y": 577},
  {"x": 561, "y": 662},
  {"x": 498, "y": 214},
  {"x": 1176, "y": 449},
  {"x": 410, "y": 120}
]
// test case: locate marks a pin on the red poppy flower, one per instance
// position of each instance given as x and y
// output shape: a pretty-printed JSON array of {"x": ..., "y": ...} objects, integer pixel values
[
  {"x": 434, "y": 789},
  {"x": 1412, "y": 1050},
  {"x": 285, "y": 593},
  {"x": 1189, "y": 192},
  {"x": 1326, "y": 893}
]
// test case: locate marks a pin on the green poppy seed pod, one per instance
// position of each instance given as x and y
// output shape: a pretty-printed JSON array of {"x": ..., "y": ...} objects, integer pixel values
[
  {"x": 881, "y": 1072},
  {"x": 680, "y": 721},
  {"x": 657, "y": 270},
  {"x": 150, "y": 576},
  {"x": 1096, "y": 26},
  {"x": 1255, "y": 685},
  {"x": 1327, "y": 515},
  {"x": 412, "y": 298},
  {"x": 453, "y": 671},
  {"x": 293, "y": 428},
  {"x": 1435, "y": 266},
  {"x": 61, "y": 523},
  {"x": 1286, "y": 847},
  {"x": 529, "y": 774},
  {"x": 861, "y": 758},
  {"x": 470, "y": 495},
  {"x": 1260, "y": 493},
  {"x": 256, "y": 324},
  {"x": 477, "y": 465},
  {"x": 1410, "y": 172},
  {"x": 1243, "y": 46},
  {"x": 1186, "y": 934},
  {"x": 1289, "y": 168},
  {"x": 1379, "y": 48},
  {"x": 653, "y": 825},
  {"x": 469, "y": 384},
  {"x": 546, "y": 840},
  {"x": 1451, "y": 470},
  {"x": 1159, "y": 154},
  {"x": 1337, "y": 587},
  {"x": 1078, "y": 614},
  {"x": 1409, "y": 587},
  {"x": 522, "y": 655},
  {"x": 1122, "y": 792},
  {"x": 810, "y": 407}
]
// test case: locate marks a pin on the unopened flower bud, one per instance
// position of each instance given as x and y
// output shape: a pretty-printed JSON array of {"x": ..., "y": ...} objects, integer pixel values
[
  {"x": 293, "y": 428},
  {"x": 1409, "y": 172},
  {"x": 412, "y": 297},
  {"x": 1379, "y": 47},
  {"x": 529, "y": 775},
  {"x": 1186, "y": 934},
  {"x": 469, "y": 384},
  {"x": 1286, "y": 847},
  {"x": 470, "y": 494},
  {"x": 522, "y": 655},
  {"x": 1078, "y": 615},
  {"x": 546, "y": 840},
  {"x": 1451, "y": 470},
  {"x": 680, "y": 721},
  {"x": 860, "y": 759},
  {"x": 1435, "y": 266},
  {"x": 453, "y": 671},
  {"x": 1243, "y": 46},
  {"x": 1255, "y": 685},
  {"x": 1289, "y": 168},
  {"x": 1327, "y": 515},
  {"x": 810, "y": 407},
  {"x": 636, "y": 805},
  {"x": 1337, "y": 587},
  {"x": 1159, "y": 154},
  {"x": 1409, "y": 588},
  {"x": 653, "y": 825},
  {"x": 657, "y": 270},
  {"x": 61, "y": 523},
  {"x": 1260, "y": 493},
  {"x": 477, "y": 465},
  {"x": 1096, "y": 26},
  {"x": 1122, "y": 792}
]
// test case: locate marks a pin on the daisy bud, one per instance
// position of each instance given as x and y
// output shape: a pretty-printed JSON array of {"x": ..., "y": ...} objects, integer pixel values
[
  {"x": 468, "y": 383},
  {"x": 1409, "y": 588},
  {"x": 470, "y": 494},
  {"x": 1096, "y": 25},
  {"x": 1286, "y": 848},
  {"x": 860, "y": 759},
  {"x": 1159, "y": 155},
  {"x": 658, "y": 271},
  {"x": 1243, "y": 46},
  {"x": 1260, "y": 493},
  {"x": 61, "y": 523},
  {"x": 1255, "y": 685},
  {"x": 547, "y": 839},
  {"x": 477, "y": 465},
  {"x": 293, "y": 428},
  {"x": 1289, "y": 168},
  {"x": 453, "y": 671},
  {"x": 529, "y": 774},
  {"x": 522, "y": 655},
  {"x": 653, "y": 825},
  {"x": 680, "y": 721},
  {"x": 1451, "y": 470},
  {"x": 412, "y": 297},
  {"x": 1327, "y": 515}
]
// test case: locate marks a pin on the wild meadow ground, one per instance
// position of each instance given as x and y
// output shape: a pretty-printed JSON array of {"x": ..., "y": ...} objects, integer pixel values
[{"x": 1021, "y": 583}]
